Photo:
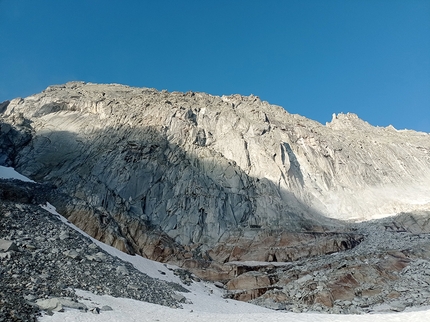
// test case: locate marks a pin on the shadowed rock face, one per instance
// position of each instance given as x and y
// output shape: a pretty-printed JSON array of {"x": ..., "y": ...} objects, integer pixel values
[{"x": 161, "y": 173}]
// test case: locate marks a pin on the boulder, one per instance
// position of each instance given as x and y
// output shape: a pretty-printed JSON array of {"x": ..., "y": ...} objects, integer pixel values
[
  {"x": 249, "y": 280},
  {"x": 58, "y": 304},
  {"x": 7, "y": 245}
]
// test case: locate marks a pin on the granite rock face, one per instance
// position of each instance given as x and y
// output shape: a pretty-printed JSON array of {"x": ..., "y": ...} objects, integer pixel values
[
  {"x": 232, "y": 189},
  {"x": 151, "y": 171}
]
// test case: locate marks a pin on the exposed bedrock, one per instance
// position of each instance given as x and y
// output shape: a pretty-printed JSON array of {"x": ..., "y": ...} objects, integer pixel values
[{"x": 178, "y": 175}]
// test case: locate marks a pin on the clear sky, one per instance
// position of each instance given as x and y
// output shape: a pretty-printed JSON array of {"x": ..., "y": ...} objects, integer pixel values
[{"x": 314, "y": 58}]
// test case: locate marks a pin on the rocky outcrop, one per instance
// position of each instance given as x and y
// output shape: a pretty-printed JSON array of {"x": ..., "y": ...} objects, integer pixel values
[
  {"x": 205, "y": 181},
  {"x": 281, "y": 246},
  {"x": 195, "y": 167},
  {"x": 388, "y": 271},
  {"x": 14, "y": 135}
]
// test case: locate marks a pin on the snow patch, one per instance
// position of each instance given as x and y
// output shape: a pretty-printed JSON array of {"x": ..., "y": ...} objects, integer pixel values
[{"x": 10, "y": 173}]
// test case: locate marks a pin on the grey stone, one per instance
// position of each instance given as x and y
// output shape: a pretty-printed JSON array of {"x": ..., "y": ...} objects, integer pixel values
[
  {"x": 95, "y": 310},
  {"x": 100, "y": 256},
  {"x": 57, "y": 304},
  {"x": 304, "y": 279},
  {"x": 219, "y": 284},
  {"x": 179, "y": 297},
  {"x": 122, "y": 270},
  {"x": 72, "y": 254},
  {"x": 397, "y": 306},
  {"x": 64, "y": 235},
  {"x": 93, "y": 246},
  {"x": 30, "y": 246},
  {"x": 7, "y": 245},
  {"x": 30, "y": 297},
  {"x": 6, "y": 256}
]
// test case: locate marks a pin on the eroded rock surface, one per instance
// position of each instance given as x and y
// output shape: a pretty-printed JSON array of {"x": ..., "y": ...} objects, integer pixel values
[
  {"x": 196, "y": 167},
  {"x": 388, "y": 271},
  {"x": 206, "y": 182}
]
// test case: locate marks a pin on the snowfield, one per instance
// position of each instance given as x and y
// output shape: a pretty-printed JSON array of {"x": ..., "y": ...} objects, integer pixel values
[
  {"x": 136, "y": 311},
  {"x": 205, "y": 300}
]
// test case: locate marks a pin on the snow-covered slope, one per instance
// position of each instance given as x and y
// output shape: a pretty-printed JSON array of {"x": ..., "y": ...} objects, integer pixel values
[{"x": 126, "y": 310}]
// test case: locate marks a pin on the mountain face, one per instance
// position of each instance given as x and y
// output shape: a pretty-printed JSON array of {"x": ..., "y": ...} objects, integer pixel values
[
  {"x": 199, "y": 176},
  {"x": 281, "y": 210}
]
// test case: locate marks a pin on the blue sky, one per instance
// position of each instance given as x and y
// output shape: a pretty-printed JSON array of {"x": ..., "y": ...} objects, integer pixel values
[{"x": 314, "y": 58}]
